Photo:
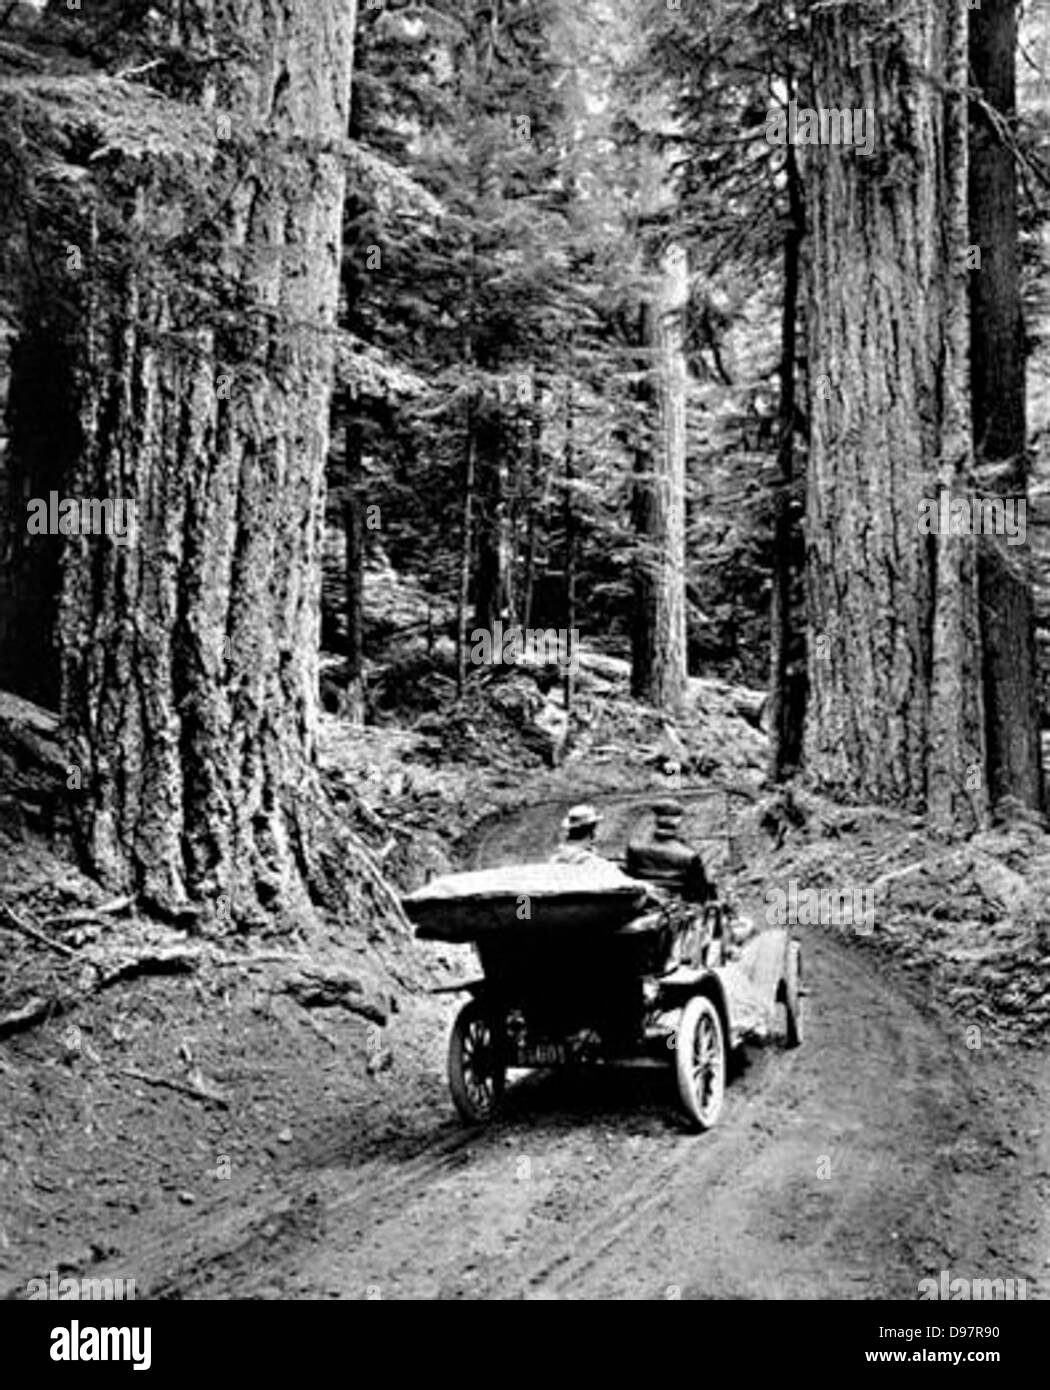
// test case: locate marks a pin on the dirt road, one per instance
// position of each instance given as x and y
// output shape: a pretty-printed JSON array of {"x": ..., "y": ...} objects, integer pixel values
[
  {"x": 876, "y": 1155},
  {"x": 880, "y": 1153}
]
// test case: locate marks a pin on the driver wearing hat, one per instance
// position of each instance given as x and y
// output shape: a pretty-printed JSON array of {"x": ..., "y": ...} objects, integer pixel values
[{"x": 663, "y": 858}]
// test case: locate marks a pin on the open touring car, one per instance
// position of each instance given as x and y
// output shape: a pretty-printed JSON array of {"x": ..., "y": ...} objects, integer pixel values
[{"x": 583, "y": 964}]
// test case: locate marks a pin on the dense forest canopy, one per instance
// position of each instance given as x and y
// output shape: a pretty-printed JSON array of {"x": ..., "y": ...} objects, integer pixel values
[
  {"x": 653, "y": 326},
  {"x": 525, "y": 591}
]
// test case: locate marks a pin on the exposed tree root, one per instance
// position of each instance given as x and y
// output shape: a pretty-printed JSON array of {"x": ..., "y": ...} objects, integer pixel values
[
  {"x": 194, "y": 1092},
  {"x": 28, "y": 1016},
  {"x": 35, "y": 933}
]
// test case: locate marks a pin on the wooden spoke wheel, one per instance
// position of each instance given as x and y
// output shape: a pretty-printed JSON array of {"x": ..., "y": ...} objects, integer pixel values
[
  {"x": 477, "y": 1068},
  {"x": 700, "y": 1061}
]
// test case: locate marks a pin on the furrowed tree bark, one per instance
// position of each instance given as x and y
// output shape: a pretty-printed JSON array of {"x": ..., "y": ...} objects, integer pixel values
[
  {"x": 787, "y": 703},
  {"x": 470, "y": 474},
  {"x": 659, "y": 646},
  {"x": 956, "y": 789},
  {"x": 491, "y": 587},
  {"x": 998, "y": 398},
  {"x": 894, "y": 711},
  {"x": 537, "y": 504},
  {"x": 491, "y": 578},
  {"x": 466, "y": 552},
  {"x": 44, "y": 439},
  {"x": 354, "y": 526},
  {"x": 188, "y": 659},
  {"x": 569, "y": 517}
]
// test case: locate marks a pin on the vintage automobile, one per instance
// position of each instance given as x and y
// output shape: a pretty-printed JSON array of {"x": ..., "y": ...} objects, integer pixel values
[{"x": 583, "y": 964}]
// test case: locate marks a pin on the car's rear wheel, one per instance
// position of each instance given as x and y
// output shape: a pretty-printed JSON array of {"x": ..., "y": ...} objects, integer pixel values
[
  {"x": 700, "y": 1061},
  {"x": 477, "y": 1069}
]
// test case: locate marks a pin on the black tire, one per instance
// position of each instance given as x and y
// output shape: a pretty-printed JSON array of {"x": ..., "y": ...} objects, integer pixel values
[
  {"x": 700, "y": 1062},
  {"x": 477, "y": 1071},
  {"x": 794, "y": 999}
]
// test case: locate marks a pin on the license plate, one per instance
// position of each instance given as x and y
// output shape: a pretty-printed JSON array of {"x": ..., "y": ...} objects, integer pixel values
[{"x": 543, "y": 1054}]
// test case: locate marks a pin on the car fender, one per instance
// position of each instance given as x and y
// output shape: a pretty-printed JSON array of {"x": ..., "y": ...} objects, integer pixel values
[
  {"x": 752, "y": 981},
  {"x": 683, "y": 983}
]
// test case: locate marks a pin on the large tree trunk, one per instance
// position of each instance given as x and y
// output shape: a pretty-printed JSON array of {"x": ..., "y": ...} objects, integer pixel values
[
  {"x": 569, "y": 516},
  {"x": 466, "y": 551},
  {"x": 998, "y": 386},
  {"x": 491, "y": 575},
  {"x": 895, "y": 711},
  {"x": 659, "y": 647},
  {"x": 787, "y": 690},
  {"x": 354, "y": 528},
  {"x": 44, "y": 440},
  {"x": 956, "y": 789},
  {"x": 536, "y": 503},
  {"x": 189, "y": 658}
]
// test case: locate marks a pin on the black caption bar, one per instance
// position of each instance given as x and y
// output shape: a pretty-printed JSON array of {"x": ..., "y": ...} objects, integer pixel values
[{"x": 145, "y": 1341}]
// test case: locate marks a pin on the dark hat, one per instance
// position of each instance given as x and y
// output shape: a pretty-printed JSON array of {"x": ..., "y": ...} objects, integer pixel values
[{"x": 668, "y": 810}]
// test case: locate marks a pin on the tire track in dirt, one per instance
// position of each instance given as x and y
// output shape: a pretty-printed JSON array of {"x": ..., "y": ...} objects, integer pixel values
[
  {"x": 879, "y": 1153},
  {"x": 600, "y": 1243},
  {"x": 729, "y": 1176},
  {"x": 620, "y": 1207},
  {"x": 213, "y": 1262}
]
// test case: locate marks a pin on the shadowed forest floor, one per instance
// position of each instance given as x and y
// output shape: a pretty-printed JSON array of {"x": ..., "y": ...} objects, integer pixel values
[{"x": 211, "y": 1117}]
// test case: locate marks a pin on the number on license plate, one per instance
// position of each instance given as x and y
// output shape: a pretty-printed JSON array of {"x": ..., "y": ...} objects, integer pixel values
[{"x": 543, "y": 1054}]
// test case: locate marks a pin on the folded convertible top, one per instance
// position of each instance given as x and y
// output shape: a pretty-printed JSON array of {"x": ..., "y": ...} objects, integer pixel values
[{"x": 523, "y": 897}]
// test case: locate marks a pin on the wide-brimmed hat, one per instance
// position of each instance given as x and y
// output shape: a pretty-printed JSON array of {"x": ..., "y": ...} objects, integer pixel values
[{"x": 579, "y": 816}]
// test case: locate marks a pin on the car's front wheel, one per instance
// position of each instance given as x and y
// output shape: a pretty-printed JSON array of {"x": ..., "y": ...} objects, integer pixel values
[{"x": 700, "y": 1061}]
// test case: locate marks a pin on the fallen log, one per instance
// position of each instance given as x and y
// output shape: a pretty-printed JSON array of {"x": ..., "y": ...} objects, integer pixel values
[
  {"x": 155, "y": 962},
  {"x": 613, "y": 669},
  {"x": 313, "y": 987},
  {"x": 34, "y": 933}
]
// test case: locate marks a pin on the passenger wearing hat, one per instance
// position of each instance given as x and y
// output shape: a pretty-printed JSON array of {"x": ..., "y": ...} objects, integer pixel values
[
  {"x": 580, "y": 826},
  {"x": 664, "y": 859}
]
